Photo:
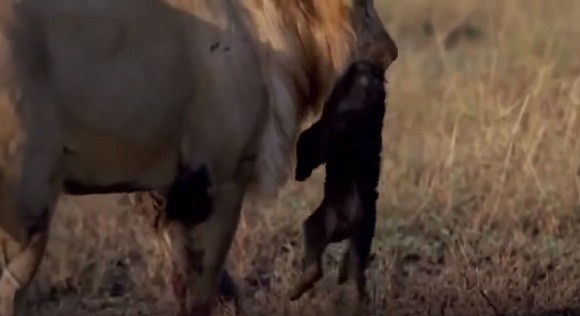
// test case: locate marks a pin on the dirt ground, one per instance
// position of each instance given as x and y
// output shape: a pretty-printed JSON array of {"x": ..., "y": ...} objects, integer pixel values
[{"x": 479, "y": 212}]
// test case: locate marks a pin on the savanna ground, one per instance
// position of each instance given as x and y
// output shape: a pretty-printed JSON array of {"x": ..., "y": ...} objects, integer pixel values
[{"x": 479, "y": 210}]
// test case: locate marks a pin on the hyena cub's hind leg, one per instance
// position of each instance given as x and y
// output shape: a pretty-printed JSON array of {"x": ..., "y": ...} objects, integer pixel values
[
  {"x": 356, "y": 258},
  {"x": 331, "y": 222},
  {"x": 316, "y": 238}
]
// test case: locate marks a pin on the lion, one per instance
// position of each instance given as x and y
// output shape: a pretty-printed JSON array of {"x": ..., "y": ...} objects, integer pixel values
[{"x": 202, "y": 99}]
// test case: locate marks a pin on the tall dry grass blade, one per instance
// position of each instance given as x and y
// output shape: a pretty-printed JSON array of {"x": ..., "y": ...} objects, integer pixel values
[{"x": 506, "y": 163}]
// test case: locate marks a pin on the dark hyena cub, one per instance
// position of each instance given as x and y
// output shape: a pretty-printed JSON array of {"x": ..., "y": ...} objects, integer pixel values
[{"x": 348, "y": 139}]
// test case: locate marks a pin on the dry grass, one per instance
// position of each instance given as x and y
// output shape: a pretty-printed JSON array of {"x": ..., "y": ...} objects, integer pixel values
[{"x": 479, "y": 193}]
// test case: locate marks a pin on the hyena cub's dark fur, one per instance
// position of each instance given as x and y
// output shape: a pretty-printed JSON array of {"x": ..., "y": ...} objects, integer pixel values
[{"x": 348, "y": 139}]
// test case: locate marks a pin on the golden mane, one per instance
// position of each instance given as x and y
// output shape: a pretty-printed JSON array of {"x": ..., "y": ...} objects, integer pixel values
[
  {"x": 312, "y": 39},
  {"x": 304, "y": 46}
]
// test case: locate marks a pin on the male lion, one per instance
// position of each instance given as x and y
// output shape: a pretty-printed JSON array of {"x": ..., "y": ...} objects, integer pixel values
[{"x": 202, "y": 99}]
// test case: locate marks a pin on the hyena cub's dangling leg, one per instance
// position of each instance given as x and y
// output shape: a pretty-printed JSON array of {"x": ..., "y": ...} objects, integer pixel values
[
  {"x": 315, "y": 241},
  {"x": 356, "y": 258},
  {"x": 332, "y": 222}
]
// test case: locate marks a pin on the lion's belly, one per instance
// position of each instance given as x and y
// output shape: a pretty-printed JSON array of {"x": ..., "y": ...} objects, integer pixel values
[
  {"x": 95, "y": 160},
  {"x": 122, "y": 87}
]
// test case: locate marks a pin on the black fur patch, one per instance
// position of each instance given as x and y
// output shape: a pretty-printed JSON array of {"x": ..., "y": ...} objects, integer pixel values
[
  {"x": 227, "y": 288},
  {"x": 214, "y": 46},
  {"x": 38, "y": 224},
  {"x": 195, "y": 260},
  {"x": 187, "y": 199}
]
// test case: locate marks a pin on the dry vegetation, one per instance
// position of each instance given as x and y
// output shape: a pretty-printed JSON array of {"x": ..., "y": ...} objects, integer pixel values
[{"x": 480, "y": 193}]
